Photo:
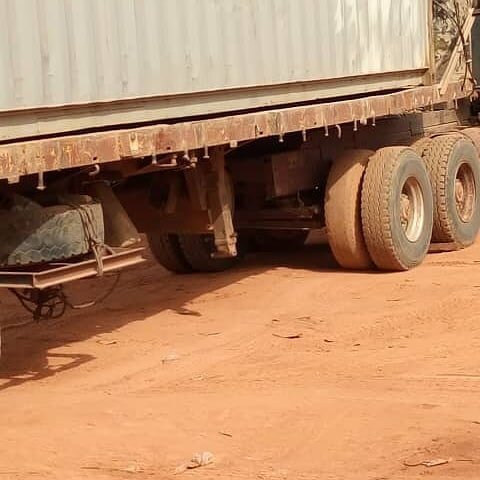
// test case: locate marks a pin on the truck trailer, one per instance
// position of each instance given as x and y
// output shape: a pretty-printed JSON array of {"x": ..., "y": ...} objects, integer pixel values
[{"x": 214, "y": 127}]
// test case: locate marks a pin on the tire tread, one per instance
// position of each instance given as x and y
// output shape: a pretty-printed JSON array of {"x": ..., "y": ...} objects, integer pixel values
[
  {"x": 375, "y": 208},
  {"x": 342, "y": 210},
  {"x": 436, "y": 159},
  {"x": 40, "y": 235},
  {"x": 167, "y": 252},
  {"x": 386, "y": 249},
  {"x": 198, "y": 255}
]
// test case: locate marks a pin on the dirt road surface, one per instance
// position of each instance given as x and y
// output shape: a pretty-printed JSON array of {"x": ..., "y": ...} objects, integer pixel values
[{"x": 383, "y": 372}]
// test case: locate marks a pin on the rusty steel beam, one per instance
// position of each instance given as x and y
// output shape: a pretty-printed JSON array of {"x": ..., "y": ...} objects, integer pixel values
[
  {"x": 57, "y": 275},
  {"x": 36, "y": 156}
]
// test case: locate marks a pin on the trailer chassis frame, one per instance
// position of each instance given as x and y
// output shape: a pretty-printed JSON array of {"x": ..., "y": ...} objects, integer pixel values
[{"x": 55, "y": 154}]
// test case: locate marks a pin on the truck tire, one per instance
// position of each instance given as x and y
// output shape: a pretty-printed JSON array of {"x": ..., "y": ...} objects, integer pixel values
[
  {"x": 167, "y": 252},
  {"x": 473, "y": 133},
  {"x": 37, "y": 235},
  {"x": 198, "y": 250},
  {"x": 343, "y": 216},
  {"x": 420, "y": 146},
  {"x": 454, "y": 167},
  {"x": 397, "y": 209}
]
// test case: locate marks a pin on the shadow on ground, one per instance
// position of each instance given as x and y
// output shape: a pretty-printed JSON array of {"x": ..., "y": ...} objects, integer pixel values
[{"x": 27, "y": 351}]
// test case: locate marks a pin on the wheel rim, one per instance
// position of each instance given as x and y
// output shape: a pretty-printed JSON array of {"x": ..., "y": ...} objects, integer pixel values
[
  {"x": 412, "y": 211},
  {"x": 465, "y": 192}
]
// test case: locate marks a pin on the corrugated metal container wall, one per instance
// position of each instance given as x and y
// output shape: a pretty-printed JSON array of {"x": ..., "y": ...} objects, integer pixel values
[{"x": 62, "y": 52}]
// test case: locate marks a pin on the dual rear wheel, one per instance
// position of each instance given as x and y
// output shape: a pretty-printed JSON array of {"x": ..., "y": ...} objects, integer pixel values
[
  {"x": 382, "y": 208},
  {"x": 386, "y": 208},
  {"x": 453, "y": 164}
]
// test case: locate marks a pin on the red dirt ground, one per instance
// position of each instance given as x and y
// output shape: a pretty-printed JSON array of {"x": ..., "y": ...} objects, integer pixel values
[{"x": 386, "y": 372}]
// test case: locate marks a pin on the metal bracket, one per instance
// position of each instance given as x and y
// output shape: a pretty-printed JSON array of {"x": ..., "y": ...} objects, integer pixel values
[
  {"x": 457, "y": 54},
  {"x": 220, "y": 202},
  {"x": 173, "y": 195},
  {"x": 197, "y": 193},
  {"x": 57, "y": 274}
]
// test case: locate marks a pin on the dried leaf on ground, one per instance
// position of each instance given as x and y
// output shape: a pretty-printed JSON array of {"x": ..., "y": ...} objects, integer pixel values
[
  {"x": 437, "y": 462},
  {"x": 172, "y": 357},
  {"x": 289, "y": 336},
  {"x": 106, "y": 342},
  {"x": 198, "y": 460}
]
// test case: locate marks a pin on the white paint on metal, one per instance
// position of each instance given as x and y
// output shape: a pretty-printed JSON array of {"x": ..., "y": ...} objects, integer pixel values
[{"x": 62, "y": 52}]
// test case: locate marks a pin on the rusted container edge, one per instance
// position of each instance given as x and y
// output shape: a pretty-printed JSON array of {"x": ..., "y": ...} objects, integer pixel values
[{"x": 25, "y": 158}]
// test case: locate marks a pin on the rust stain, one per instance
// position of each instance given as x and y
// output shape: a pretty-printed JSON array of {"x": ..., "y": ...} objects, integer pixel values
[{"x": 23, "y": 158}]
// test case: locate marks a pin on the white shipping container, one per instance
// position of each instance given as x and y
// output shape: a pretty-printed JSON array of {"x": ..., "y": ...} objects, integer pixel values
[{"x": 73, "y": 64}]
